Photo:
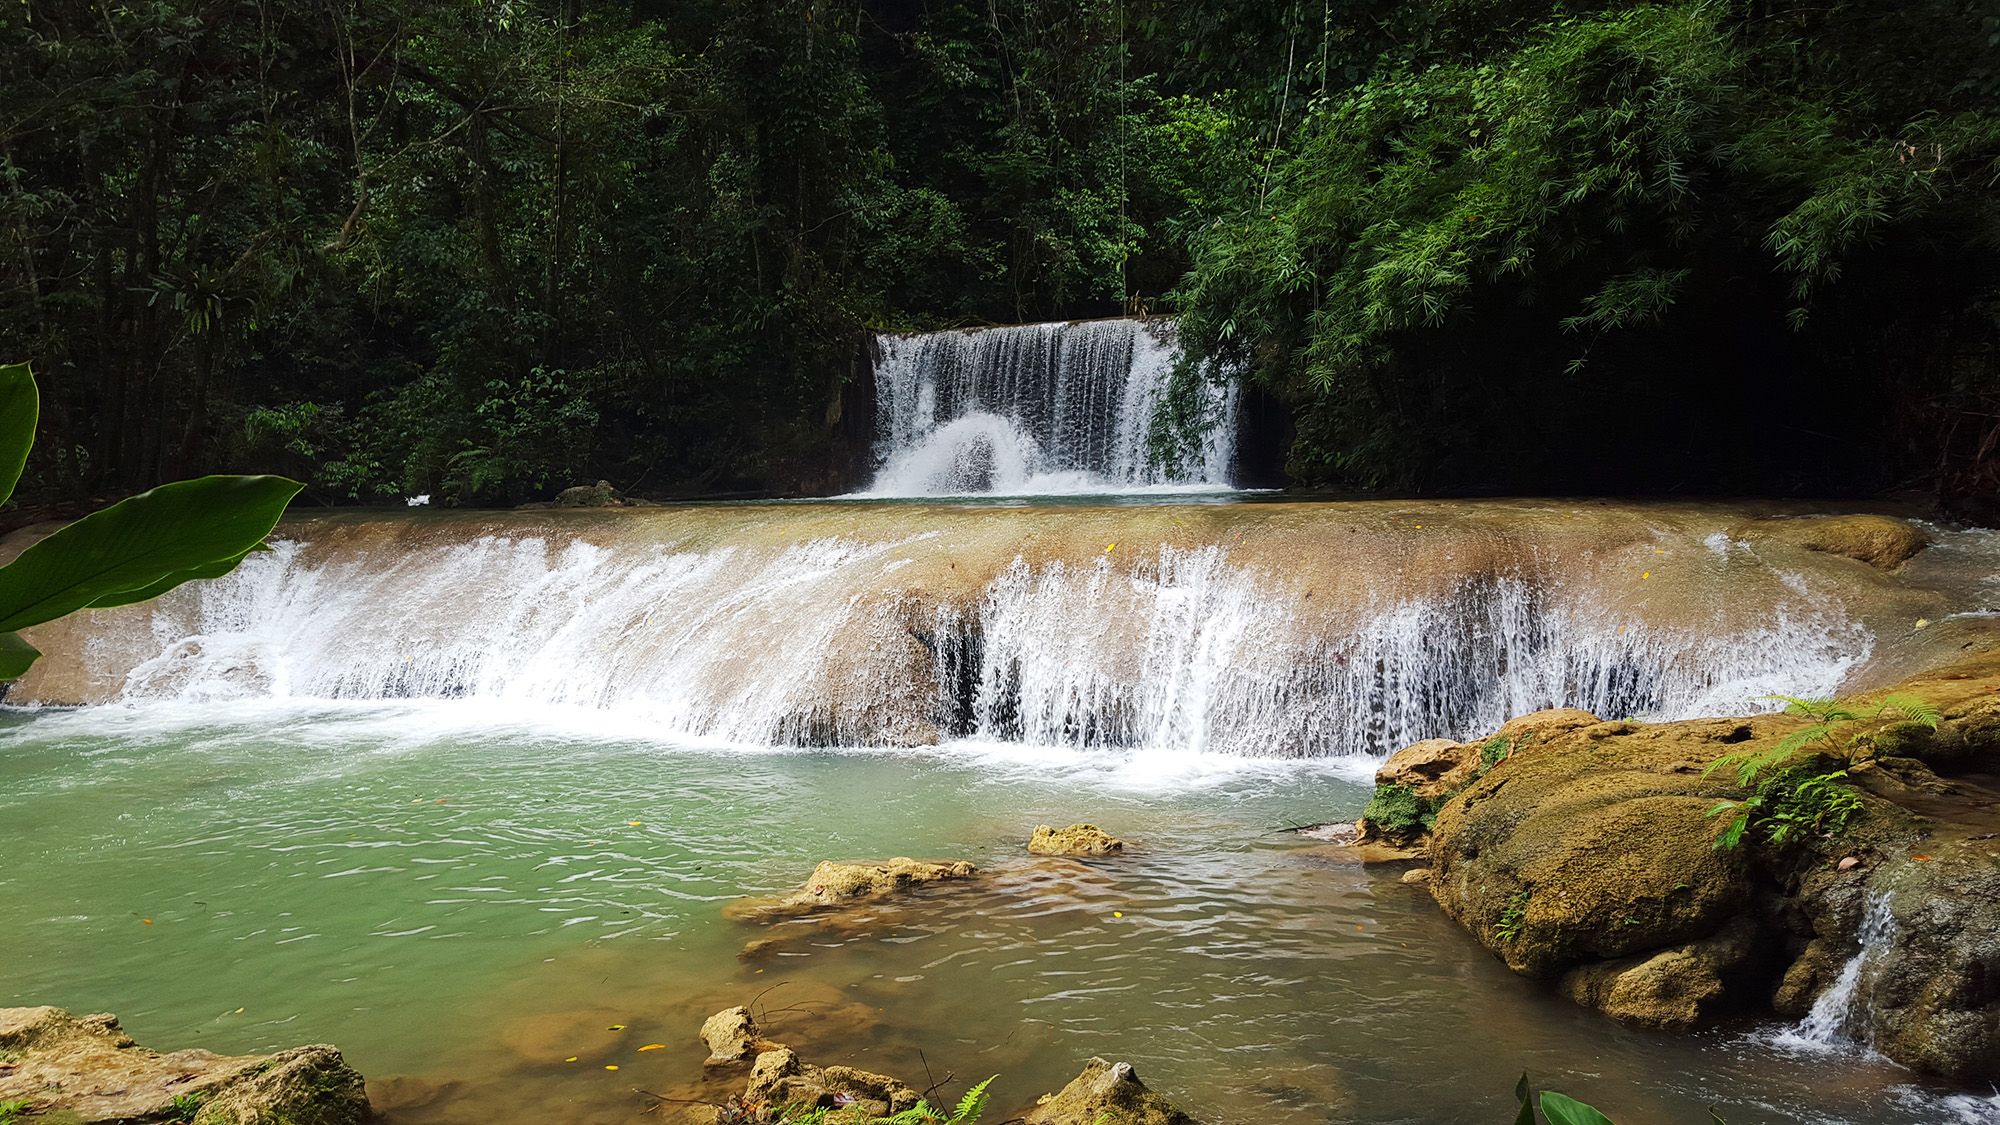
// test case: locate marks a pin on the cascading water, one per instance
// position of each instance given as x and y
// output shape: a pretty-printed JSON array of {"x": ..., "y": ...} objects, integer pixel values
[
  {"x": 743, "y": 627},
  {"x": 1045, "y": 408},
  {"x": 1839, "y": 1017}
]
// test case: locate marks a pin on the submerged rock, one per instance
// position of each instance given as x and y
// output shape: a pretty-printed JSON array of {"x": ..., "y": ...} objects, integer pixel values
[
  {"x": 86, "y": 1069},
  {"x": 833, "y": 885},
  {"x": 1106, "y": 1094},
  {"x": 1883, "y": 542},
  {"x": 1077, "y": 839}
]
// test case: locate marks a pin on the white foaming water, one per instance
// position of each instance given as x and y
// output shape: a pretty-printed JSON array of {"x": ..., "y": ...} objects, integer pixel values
[
  {"x": 1839, "y": 1018},
  {"x": 1188, "y": 654},
  {"x": 832, "y": 642},
  {"x": 1042, "y": 409}
]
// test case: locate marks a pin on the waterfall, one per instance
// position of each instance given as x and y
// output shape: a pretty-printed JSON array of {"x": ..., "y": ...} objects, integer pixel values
[
  {"x": 1839, "y": 1017},
  {"x": 1044, "y": 408},
  {"x": 900, "y": 626}
]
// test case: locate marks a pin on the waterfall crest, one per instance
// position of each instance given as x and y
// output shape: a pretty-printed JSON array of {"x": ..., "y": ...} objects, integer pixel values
[{"x": 1045, "y": 409}]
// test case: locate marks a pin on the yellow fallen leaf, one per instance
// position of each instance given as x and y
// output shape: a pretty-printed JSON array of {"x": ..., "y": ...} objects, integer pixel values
[
  {"x": 631, "y": 824},
  {"x": 1923, "y": 622},
  {"x": 611, "y": 1066},
  {"x": 1645, "y": 574},
  {"x": 1118, "y": 914},
  {"x": 1108, "y": 547},
  {"x": 654, "y": 1047},
  {"x": 572, "y": 1058},
  {"x": 616, "y": 1027},
  {"x": 145, "y": 921}
]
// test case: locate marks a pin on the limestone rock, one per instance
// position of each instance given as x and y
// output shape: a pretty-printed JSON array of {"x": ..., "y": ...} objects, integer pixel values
[
  {"x": 85, "y": 1068},
  {"x": 732, "y": 1037},
  {"x": 1883, "y": 542},
  {"x": 780, "y": 1078},
  {"x": 1433, "y": 768},
  {"x": 1933, "y": 996},
  {"x": 1673, "y": 989},
  {"x": 1595, "y": 847},
  {"x": 1077, "y": 839},
  {"x": 833, "y": 885},
  {"x": 599, "y": 495},
  {"x": 1416, "y": 876},
  {"x": 1106, "y": 1094}
]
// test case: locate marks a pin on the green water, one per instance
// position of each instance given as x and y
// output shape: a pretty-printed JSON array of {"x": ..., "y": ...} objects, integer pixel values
[{"x": 462, "y": 902}]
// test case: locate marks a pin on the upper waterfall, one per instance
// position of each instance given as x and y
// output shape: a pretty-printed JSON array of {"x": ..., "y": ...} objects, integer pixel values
[{"x": 1045, "y": 408}]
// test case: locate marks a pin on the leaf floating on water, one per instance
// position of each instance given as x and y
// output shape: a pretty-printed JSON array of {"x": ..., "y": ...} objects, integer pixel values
[
  {"x": 145, "y": 921},
  {"x": 631, "y": 824},
  {"x": 611, "y": 1066},
  {"x": 572, "y": 1058},
  {"x": 654, "y": 1047},
  {"x": 616, "y": 1027}
]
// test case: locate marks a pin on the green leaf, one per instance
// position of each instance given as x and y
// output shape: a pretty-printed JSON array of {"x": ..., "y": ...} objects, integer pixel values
[
  {"x": 16, "y": 655},
  {"x": 1562, "y": 1109},
  {"x": 20, "y": 407},
  {"x": 1526, "y": 1096},
  {"x": 151, "y": 542},
  {"x": 215, "y": 569}
]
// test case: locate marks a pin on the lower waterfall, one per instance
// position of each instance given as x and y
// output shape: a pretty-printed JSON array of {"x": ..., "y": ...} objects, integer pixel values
[{"x": 771, "y": 627}]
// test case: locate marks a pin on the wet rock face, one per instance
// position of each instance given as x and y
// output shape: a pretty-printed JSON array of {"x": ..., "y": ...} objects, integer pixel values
[
  {"x": 1077, "y": 839},
  {"x": 86, "y": 1069},
  {"x": 1674, "y": 989},
  {"x": 1106, "y": 1094},
  {"x": 1431, "y": 769},
  {"x": 1933, "y": 1000}
]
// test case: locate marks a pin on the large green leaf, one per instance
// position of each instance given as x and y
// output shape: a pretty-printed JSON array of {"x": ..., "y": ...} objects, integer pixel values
[
  {"x": 151, "y": 542},
  {"x": 16, "y": 655},
  {"x": 215, "y": 569},
  {"x": 1561, "y": 1109},
  {"x": 20, "y": 407}
]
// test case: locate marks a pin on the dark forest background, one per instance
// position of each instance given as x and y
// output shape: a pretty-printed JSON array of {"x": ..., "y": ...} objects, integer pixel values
[{"x": 486, "y": 249}]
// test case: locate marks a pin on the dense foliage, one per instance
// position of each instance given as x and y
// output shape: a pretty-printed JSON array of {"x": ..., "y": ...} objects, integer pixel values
[{"x": 489, "y": 248}]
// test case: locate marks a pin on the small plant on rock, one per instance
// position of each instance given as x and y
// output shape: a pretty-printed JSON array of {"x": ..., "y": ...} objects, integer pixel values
[
  {"x": 1791, "y": 796},
  {"x": 11, "y": 1111},
  {"x": 1397, "y": 812},
  {"x": 1514, "y": 918},
  {"x": 184, "y": 1107}
]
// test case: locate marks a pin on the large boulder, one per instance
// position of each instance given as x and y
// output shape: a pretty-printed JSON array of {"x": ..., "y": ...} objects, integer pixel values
[
  {"x": 1106, "y": 1094},
  {"x": 1432, "y": 769},
  {"x": 86, "y": 1069},
  {"x": 1077, "y": 839}
]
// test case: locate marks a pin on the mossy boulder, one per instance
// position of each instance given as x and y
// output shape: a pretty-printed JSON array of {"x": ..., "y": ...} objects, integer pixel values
[
  {"x": 1077, "y": 839},
  {"x": 833, "y": 885},
  {"x": 1672, "y": 989},
  {"x": 85, "y": 1069}
]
